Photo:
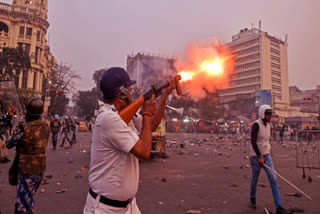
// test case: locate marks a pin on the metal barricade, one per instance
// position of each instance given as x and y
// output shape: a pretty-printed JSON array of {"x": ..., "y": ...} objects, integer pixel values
[{"x": 308, "y": 150}]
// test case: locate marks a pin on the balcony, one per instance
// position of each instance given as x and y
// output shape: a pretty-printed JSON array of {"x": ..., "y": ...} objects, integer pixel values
[
  {"x": 4, "y": 6},
  {"x": 3, "y": 34}
]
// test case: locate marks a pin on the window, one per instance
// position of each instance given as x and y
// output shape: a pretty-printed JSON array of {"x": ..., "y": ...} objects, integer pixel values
[
  {"x": 20, "y": 45},
  {"x": 36, "y": 55},
  {"x": 24, "y": 79},
  {"x": 29, "y": 31},
  {"x": 27, "y": 48},
  {"x": 4, "y": 27},
  {"x": 34, "y": 80},
  {"x": 38, "y": 35},
  {"x": 21, "y": 32}
]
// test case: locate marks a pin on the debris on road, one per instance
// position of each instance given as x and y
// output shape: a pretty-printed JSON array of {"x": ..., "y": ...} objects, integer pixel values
[
  {"x": 58, "y": 184},
  {"x": 61, "y": 191},
  {"x": 42, "y": 190},
  {"x": 164, "y": 180},
  {"x": 262, "y": 185},
  {"x": 297, "y": 194},
  {"x": 193, "y": 212}
]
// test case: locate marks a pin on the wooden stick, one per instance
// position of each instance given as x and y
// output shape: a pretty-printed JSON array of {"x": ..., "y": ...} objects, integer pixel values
[{"x": 287, "y": 181}]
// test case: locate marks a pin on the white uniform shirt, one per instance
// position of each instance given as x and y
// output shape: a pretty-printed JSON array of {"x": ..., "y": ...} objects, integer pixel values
[{"x": 114, "y": 171}]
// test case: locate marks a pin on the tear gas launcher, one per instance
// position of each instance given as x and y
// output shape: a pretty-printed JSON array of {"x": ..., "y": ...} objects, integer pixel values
[{"x": 128, "y": 112}]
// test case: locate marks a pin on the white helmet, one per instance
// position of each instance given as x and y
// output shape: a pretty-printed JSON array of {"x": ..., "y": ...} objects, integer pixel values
[
  {"x": 263, "y": 109},
  {"x": 56, "y": 117}
]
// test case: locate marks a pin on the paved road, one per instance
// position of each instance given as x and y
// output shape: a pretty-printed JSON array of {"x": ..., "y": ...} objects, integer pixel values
[{"x": 193, "y": 177}]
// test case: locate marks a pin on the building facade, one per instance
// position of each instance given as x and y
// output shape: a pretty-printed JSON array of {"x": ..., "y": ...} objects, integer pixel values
[
  {"x": 261, "y": 64},
  {"x": 307, "y": 100},
  {"x": 24, "y": 24}
]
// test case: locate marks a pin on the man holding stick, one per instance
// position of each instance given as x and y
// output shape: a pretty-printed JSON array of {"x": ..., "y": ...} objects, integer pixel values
[
  {"x": 117, "y": 146},
  {"x": 260, "y": 156}
]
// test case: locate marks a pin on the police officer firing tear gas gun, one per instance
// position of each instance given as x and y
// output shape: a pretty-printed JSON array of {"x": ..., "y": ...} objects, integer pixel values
[{"x": 121, "y": 137}]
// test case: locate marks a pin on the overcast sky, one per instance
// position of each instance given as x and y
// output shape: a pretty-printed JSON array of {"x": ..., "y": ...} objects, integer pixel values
[{"x": 100, "y": 33}]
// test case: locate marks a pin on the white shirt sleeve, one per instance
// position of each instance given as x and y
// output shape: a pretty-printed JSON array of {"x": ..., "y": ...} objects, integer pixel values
[{"x": 115, "y": 131}]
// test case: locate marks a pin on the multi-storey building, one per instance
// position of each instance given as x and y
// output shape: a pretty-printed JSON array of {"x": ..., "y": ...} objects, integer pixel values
[
  {"x": 261, "y": 64},
  {"x": 307, "y": 100},
  {"x": 24, "y": 23}
]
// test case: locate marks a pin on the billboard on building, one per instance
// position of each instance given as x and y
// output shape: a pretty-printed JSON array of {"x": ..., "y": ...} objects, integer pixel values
[{"x": 263, "y": 97}]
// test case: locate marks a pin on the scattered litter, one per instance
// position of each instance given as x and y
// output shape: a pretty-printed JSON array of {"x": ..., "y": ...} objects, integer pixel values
[
  {"x": 267, "y": 212},
  {"x": 298, "y": 194},
  {"x": 48, "y": 176},
  {"x": 193, "y": 212},
  {"x": 234, "y": 185},
  {"x": 226, "y": 167},
  {"x": 164, "y": 180},
  {"x": 241, "y": 167},
  {"x": 58, "y": 183},
  {"x": 67, "y": 147},
  {"x": 68, "y": 153},
  {"x": 70, "y": 161},
  {"x": 65, "y": 173},
  {"x": 196, "y": 154},
  {"x": 191, "y": 144},
  {"x": 0, "y": 190},
  {"x": 78, "y": 176},
  {"x": 225, "y": 202},
  {"x": 246, "y": 157},
  {"x": 61, "y": 191},
  {"x": 83, "y": 169},
  {"x": 42, "y": 190},
  {"x": 296, "y": 210},
  {"x": 262, "y": 185},
  {"x": 160, "y": 202}
]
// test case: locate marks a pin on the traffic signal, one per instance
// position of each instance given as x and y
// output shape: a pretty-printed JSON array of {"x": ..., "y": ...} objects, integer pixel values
[{"x": 307, "y": 98}]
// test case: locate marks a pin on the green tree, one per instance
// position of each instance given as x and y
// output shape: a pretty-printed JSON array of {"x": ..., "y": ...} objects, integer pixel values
[
  {"x": 62, "y": 84},
  {"x": 13, "y": 59},
  {"x": 86, "y": 103}
]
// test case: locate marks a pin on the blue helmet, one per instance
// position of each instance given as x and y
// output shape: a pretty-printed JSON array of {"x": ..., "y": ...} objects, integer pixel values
[{"x": 113, "y": 81}]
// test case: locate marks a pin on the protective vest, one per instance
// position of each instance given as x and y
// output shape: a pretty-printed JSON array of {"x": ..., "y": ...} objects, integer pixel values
[
  {"x": 263, "y": 139},
  {"x": 33, "y": 147}
]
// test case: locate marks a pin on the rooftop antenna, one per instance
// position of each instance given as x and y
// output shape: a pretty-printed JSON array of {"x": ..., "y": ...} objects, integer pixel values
[
  {"x": 259, "y": 25},
  {"x": 251, "y": 25},
  {"x": 286, "y": 40}
]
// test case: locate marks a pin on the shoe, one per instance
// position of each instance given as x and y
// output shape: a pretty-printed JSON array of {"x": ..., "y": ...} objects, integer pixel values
[
  {"x": 252, "y": 203},
  {"x": 281, "y": 210}
]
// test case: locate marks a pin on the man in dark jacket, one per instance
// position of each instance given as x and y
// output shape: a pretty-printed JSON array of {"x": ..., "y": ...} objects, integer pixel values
[{"x": 55, "y": 126}]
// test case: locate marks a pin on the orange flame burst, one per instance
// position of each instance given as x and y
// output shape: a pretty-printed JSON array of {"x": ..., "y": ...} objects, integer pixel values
[{"x": 207, "y": 67}]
